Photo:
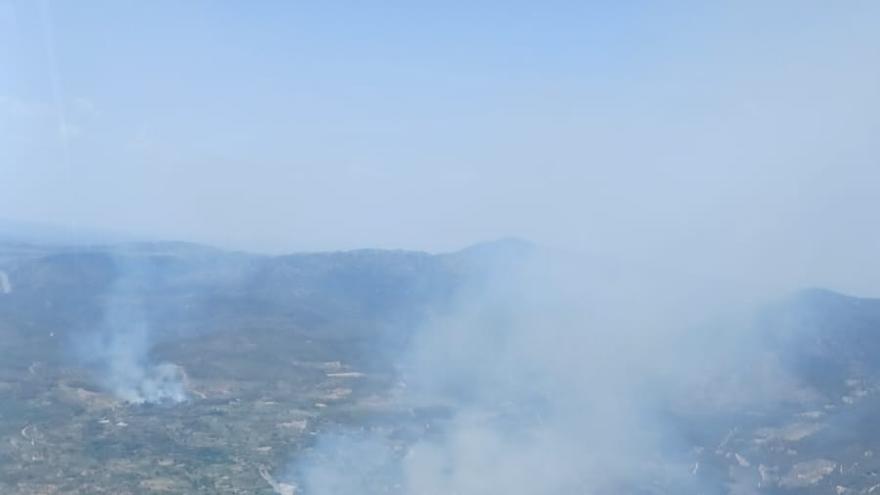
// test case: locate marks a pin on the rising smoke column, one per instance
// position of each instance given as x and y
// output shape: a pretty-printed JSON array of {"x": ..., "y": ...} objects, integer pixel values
[
  {"x": 557, "y": 381},
  {"x": 119, "y": 349}
]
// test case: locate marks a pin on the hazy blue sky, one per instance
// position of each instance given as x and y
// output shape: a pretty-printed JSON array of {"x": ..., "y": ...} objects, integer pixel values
[{"x": 662, "y": 127}]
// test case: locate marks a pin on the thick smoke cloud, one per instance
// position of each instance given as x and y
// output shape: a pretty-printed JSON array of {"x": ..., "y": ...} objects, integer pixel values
[
  {"x": 558, "y": 378},
  {"x": 119, "y": 349}
]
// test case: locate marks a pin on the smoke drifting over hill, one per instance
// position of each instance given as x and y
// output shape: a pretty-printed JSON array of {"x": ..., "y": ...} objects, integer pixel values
[
  {"x": 700, "y": 160},
  {"x": 558, "y": 380},
  {"x": 119, "y": 348},
  {"x": 503, "y": 366}
]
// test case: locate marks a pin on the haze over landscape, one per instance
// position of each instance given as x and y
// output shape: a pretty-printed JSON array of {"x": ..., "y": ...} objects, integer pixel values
[
  {"x": 445, "y": 248},
  {"x": 721, "y": 131}
]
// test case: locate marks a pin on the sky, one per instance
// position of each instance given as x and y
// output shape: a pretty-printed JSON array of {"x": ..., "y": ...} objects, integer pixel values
[{"x": 740, "y": 135}]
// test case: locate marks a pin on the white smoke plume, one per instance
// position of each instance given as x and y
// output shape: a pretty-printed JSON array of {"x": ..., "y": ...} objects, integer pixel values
[
  {"x": 119, "y": 350},
  {"x": 557, "y": 379}
]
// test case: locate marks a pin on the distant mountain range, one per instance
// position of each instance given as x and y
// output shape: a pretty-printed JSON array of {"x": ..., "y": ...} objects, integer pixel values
[{"x": 188, "y": 287}]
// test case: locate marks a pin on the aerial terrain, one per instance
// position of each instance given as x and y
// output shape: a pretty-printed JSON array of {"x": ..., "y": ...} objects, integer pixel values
[{"x": 177, "y": 368}]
